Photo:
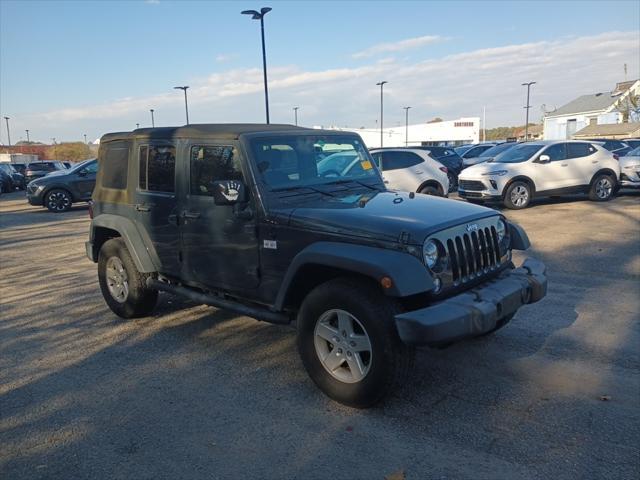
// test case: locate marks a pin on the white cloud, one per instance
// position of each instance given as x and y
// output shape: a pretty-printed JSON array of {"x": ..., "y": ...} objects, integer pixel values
[
  {"x": 399, "y": 46},
  {"x": 225, "y": 57},
  {"x": 449, "y": 87}
]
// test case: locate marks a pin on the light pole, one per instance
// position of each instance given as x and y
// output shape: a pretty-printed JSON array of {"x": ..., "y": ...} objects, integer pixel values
[
  {"x": 526, "y": 123},
  {"x": 8, "y": 133},
  {"x": 406, "y": 126},
  {"x": 255, "y": 15},
  {"x": 186, "y": 106},
  {"x": 295, "y": 113},
  {"x": 153, "y": 123},
  {"x": 137, "y": 125},
  {"x": 28, "y": 141},
  {"x": 85, "y": 138},
  {"x": 381, "y": 108}
]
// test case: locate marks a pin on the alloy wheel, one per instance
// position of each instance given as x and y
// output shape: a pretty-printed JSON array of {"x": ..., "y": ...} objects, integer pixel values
[
  {"x": 343, "y": 346},
  {"x": 58, "y": 201},
  {"x": 117, "y": 280},
  {"x": 519, "y": 196},
  {"x": 604, "y": 188}
]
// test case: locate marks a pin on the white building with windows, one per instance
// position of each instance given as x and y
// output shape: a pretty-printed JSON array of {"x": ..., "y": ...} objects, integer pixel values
[
  {"x": 451, "y": 132},
  {"x": 595, "y": 109}
]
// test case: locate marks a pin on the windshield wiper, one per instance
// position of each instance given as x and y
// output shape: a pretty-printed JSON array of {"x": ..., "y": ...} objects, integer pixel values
[
  {"x": 351, "y": 180},
  {"x": 298, "y": 187}
]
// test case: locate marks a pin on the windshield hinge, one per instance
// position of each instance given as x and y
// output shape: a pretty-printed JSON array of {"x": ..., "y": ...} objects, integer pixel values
[{"x": 404, "y": 238}]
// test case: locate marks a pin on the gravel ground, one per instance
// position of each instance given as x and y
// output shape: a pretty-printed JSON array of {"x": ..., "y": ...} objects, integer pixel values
[{"x": 194, "y": 392}]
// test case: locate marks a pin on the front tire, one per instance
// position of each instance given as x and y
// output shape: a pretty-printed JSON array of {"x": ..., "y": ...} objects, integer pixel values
[
  {"x": 348, "y": 342},
  {"x": 518, "y": 196},
  {"x": 58, "y": 200},
  {"x": 123, "y": 287},
  {"x": 602, "y": 188}
]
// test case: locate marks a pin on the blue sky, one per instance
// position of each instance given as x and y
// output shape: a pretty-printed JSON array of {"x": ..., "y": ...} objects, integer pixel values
[{"x": 68, "y": 68}]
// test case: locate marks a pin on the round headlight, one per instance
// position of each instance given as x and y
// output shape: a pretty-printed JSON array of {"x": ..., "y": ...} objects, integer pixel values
[
  {"x": 501, "y": 229},
  {"x": 430, "y": 253}
]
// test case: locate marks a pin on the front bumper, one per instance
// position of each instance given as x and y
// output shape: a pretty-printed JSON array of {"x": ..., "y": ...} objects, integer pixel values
[
  {"x": 34, "y": 196},
  {"x": 476, "y": 311},
  {"x": 479, "y": 195}
]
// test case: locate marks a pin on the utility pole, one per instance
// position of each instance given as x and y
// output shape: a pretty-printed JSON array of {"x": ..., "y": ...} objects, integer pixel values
[
  {"x": 295, "y": 112},
  {"x": 153, "y": 123},
  {"x": 484, "y": 124},
  {"x": 8, "y": 132},
  {"x": 381, "y": 109},
  {"x": 526, "y": 124},
  {"x": 406, "y": 126}
]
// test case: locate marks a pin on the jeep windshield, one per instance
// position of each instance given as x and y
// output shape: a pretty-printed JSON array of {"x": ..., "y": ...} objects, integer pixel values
[{"x": 299, "y": 161}]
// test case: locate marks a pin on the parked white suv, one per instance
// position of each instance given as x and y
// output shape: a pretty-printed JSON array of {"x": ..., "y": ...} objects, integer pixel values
[
  {"x": 630, "y": 169},
  {"x": 535, "y": 169},
  {"x": 412, "y": 170}
]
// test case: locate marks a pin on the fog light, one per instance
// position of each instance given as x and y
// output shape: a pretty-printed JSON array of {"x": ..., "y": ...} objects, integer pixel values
[{"x": 493, "y": 184}]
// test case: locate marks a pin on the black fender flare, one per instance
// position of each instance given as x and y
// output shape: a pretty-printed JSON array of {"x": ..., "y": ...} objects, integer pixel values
[
  {"x": 141, "y": 249},
  {"x": 521, "y": 178},
  {"x": 519, "y": 238},
  {"x": 408, "y": 274}
]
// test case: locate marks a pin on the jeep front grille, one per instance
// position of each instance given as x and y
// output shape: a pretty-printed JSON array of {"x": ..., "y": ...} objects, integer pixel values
[{"x": 473, "y": 254}]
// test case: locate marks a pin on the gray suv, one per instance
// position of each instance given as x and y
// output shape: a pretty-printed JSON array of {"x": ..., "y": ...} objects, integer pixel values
[{"x": 240, "y": 217}]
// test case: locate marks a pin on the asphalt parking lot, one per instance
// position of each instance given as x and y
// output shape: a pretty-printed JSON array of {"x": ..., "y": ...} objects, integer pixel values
[{"x": 194, "y": 392}]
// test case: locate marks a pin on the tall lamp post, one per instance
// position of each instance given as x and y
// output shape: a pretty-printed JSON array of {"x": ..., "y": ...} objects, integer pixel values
[
  {"x": 381, "y": 84},
  {"x": 406, "y": 126},
  {"x": 28, "y": 141},
  {"x": 8, "y": 132},
  {"x": 85, "y": 138},
  {"x": 153, "y": 122},
  {"x": 526, "y": 123},
  {"x": 295, "y": 113},
  {"x": 137, "y": 125},
  {"x": 255, "y": 15},
  {"x": 186, "y": 106}
]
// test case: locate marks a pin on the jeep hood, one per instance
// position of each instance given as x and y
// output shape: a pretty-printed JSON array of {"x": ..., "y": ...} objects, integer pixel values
[{"x": 383, "y": 215}]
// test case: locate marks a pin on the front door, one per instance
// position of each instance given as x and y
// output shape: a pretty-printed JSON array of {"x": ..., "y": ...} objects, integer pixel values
[
  {"x": 556, "y": 174},
  {"x": 155, "y": 202},
  {"x": 84, "y": 181},
  {"x": 219, "y": 242}
]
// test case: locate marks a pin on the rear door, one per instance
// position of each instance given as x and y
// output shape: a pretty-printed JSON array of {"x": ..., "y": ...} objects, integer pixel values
[
  {"x": 156, "y": 204},
  {"x": 398, "y": 170},
  {"x": 219, "y": 242}
]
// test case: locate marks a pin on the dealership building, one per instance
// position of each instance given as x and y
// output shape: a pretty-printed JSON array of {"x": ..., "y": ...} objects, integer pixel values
[{"x": 451, "y": 132}]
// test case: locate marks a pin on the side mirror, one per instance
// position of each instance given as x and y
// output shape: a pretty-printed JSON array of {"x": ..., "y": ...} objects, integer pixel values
[
  {"x": 228, "y": 192},
  {"x": 544, "y": 159}
]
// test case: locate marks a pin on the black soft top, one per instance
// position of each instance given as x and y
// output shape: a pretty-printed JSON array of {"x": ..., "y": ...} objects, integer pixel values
[{"x": 218, "y": 130}]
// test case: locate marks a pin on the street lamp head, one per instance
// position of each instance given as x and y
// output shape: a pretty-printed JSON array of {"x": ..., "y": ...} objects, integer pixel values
[
  {"x": 265, "y": 10},
  {"x": 182, "y": 88},
  {"x": 7, "y": 118},
  {"x": 151, "y": 110},
  {"x": 255, "y": 15},
  {"x": 406, "y": 108},
  {"x": 382, "y": 83}
]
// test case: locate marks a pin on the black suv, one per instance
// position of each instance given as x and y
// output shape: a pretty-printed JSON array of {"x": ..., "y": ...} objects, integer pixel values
[
  {"x": 16, "y": 178},
  {"x": 238, "y": 217},
  {"x": 40, "y": 169},
  {"x": 58, "y": 190}
]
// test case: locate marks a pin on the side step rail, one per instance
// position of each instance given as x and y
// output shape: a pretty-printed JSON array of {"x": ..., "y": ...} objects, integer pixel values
[{"x": 254, "y": 312}]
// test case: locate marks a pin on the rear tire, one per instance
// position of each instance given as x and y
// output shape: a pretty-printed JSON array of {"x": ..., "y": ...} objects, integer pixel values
[
  {"x": 602, "y": 188},
  {"x": 58, "y": 200},
  {"x": 123, "y": 287},
  {"x": 348, "y": 342},
  {"x": 518, "y": 196}
]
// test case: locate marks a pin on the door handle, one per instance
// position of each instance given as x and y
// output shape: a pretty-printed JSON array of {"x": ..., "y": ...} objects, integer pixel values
[
  {"x": 564, "y": 164},
  {"x": 191, "y": 215},
  {"x": 594, "y": 161},
  {"x": 142, "y": 208}
]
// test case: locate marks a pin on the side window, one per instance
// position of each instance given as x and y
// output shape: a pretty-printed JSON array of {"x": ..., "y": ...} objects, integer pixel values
[
  {"x": 377, "y": 157},
  {"x": 577, "y": 150},
  {"x": 212, "y": 163},
  {"x": 115, "y": 165},
  {"x": 556, "y": 152},
  {"x": 157, "y": 168},
  {"x": 91, "y": 168},
  {"x": 398, "y": 160}
]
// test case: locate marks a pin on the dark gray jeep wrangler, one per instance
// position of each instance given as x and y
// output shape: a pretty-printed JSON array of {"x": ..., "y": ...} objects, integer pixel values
[{"x": 287, "y": 224}]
